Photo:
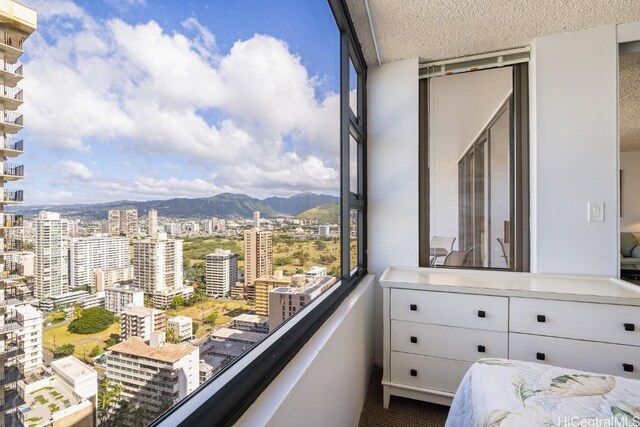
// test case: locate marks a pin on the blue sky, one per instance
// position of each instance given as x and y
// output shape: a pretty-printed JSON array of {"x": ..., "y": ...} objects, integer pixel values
[{"x": 157, "y": 99}]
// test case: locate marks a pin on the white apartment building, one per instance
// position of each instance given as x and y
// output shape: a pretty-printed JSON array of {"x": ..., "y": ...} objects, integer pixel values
[
  {"x": 26, "y": 260},
  {"x": 52, "y": 255},
  {"x": 182, "y": 328},
  {"x": 315, "y": 272},
  {"x": 173, "y": 229},
  {"x": 153, "y": 223},
  {"x": 250, "y": 323},
  {"x": 155, "y": 374},
  {"x": 138, "y": 321},
  {"x": 122, "y": 222},
  {"x": 221, "y": 270},
  {"x": 324, "y": 230},
  {"x": 101, "y": 279},
  {"x": 157, "y": 264},
  {"x": 98, "y": 252},
  {"x": 29, "y": 338},
  {"x": 119, "y": 298},
  {"x": 164, "y": 298},
  {"x": 218, "y": 225},
  {"x": 67, "y": 299}
]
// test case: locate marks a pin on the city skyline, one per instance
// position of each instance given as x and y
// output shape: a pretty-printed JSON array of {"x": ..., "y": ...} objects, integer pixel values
[{"x": 213, "y": 101}]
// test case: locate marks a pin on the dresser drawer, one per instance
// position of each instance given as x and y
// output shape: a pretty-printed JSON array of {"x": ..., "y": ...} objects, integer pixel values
[
  {"x": 583, "y": 355},
  {"x": 587, "y": 321},
  {"x": 447, "y": 341},
  {"x": 450, "y": 309},
  {"x": 428, "y": 372}
]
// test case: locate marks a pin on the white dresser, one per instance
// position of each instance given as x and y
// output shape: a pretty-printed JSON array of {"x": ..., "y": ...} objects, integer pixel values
[{"x": 438, "y": 322}]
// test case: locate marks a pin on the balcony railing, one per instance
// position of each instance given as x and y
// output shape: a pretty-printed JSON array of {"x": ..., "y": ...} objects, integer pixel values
[
  {"x": 12, "y": 92},
  {"x": 13, "y": 195},
  {"x": 12, "y": 270},
  {"x": 10, "y": 375},
  {"x": 13, "y": 144},
  {"x": 15, "y": 68},
  {"x": 14, "y": 40},
  {"x": 11, "y": 169},
  {"x": 13, "y": 245},
  {"x": 12, "y": 220},
  {"x": 9, "y": 327},
  {"x": 11, "y": 400},
  {"x": 13, "y": 118}
]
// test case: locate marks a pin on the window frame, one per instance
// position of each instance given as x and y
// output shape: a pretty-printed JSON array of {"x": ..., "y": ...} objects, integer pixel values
[
  {"x": 519, "y": 182},
  {"x": 223, "y": 399}
]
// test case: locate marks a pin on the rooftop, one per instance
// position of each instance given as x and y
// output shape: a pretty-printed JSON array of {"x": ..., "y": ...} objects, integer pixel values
[
  {"x": 73, "y": 368},
  {"x": 16, "y": 14},
  {"x": 124, "y": 289},
  {"x": 307, "y": 289},
  {"x": 171, "y": 353},
  {"x": 137, "y": 310},
  {"x": 251, "y": 318},
  {"x": 236, "y": 334}
]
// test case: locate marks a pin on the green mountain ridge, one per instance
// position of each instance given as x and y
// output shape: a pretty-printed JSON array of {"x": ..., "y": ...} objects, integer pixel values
[{"x": 328, "y": 213}]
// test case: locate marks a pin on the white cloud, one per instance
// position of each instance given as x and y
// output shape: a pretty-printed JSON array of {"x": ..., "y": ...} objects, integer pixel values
[
  {"x": 68, "y": 171},
  {"x": 112, "y": 82}
]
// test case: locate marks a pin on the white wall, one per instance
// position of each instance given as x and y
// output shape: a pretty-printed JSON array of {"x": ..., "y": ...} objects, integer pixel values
[
  {"x": 630, "y": 165},
  {"x": 392, "y": 164},
  {"x": 326, "y": 382},
  {"x": 460, "y": 106},
  {"x": 574, "y": 152}
]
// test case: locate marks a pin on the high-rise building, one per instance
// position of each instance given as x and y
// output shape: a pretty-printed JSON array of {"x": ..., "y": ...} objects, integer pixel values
[
  {"x": 103, "y": 278},
  {"x": 29, "y": 338},
  {"x": 122, "y": 222},
  {"x": 17, "y": 22},
  {"x": 52, "y": 255},
  {"x": 153, "y": 376},
  {"x": 157, "y": 264},
  {"x": 218, "y": 225},
  {"x": 153, "y": 223},
  {"x": 88, "y": 253},
  {"x": 120, "y": 297},
  {"x": 221, "y": 272},
  {"x": 258, "y": 253},
  {"x": 138, "y": 321},
  {"x": 284, "y": 302},
  {"x": 256, "y": 220},
  {"x": 265, "y": 284}
]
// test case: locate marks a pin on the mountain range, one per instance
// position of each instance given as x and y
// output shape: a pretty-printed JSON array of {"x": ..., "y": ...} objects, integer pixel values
[{"x": 224, "y": 205}]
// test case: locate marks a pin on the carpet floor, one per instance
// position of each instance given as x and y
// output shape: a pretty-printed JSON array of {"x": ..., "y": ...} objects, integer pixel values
[{"x": 402, "y": 412}]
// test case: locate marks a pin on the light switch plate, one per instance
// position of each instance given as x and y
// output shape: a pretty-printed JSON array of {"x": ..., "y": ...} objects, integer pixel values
[{"x": 595, "y": 212}]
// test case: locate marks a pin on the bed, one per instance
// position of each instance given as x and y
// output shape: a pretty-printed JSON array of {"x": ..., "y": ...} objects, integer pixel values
[{"x": 500, "y": 392}]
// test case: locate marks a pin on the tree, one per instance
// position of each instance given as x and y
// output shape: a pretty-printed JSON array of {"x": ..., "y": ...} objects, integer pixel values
[
  {"x": 194, "y": 328},
  {"x": 178, "y": 301},
  {"x": 211, "y": 319},
  {"x": 64, "y": 350},
  {"x": 110, "y": 341},
  {"x": 302, "y": 256},
  {"x": 107, "y": 393},
  {"x": 148, "y": 302},
  {"x": 78, "y": 311},
  {"x": 95, "y": 351},
  {"x": 171, "y": 336},
  {"x": 93, "y": 320}
]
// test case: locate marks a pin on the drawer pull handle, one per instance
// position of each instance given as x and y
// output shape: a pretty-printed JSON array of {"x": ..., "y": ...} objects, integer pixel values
[
  {"x": 540, "y": 356},
  {"x": 541, "y": 318},
  {"x": 629, "y": 327},
  {"x": 414, "y": 340},
  {"x": 627, "y": 367},
  {"x": 413, "y": 307},
  {"x": 413, "y": 373},
  {"x": 481, "y": 349},
  {"x": 481, "y": 313}
]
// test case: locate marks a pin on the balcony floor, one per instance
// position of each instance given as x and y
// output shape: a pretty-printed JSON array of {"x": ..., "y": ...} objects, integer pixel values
[{"x": 401, "y": 412}]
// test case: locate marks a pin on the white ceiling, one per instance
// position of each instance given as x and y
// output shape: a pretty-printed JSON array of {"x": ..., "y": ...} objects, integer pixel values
[
  {"x": 442, "y": 29},
  {"x": 629, "y": 87}
]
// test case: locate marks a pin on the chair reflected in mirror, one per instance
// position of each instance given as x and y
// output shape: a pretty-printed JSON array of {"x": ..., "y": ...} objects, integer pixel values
[
  {"x": 505, "y": 250},
  {"x": 440, "y": 247},
  {"x": 457, "y": 258}
]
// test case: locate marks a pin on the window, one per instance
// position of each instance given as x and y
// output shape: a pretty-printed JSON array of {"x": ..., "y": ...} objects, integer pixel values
[{"x": 473, "y": 170}]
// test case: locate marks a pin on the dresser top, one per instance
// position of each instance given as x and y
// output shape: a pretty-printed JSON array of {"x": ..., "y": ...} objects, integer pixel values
[{"x": 576, "y": 288}]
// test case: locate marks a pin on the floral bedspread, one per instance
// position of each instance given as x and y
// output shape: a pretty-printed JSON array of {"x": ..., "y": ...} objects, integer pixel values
[{"x": 500, "y": 392}]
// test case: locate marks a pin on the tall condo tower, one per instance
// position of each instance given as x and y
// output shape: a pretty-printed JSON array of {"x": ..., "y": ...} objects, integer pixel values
[{"x": 17, "y": 22}]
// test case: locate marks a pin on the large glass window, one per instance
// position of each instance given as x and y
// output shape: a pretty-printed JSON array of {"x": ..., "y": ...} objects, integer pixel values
[
  {"x": 204, "y": 198},
  {"x": 473, "y": 187}
]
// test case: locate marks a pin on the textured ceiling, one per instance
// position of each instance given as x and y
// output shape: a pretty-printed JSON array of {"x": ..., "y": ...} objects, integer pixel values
[
  {"x": 629, "y": 102},
  {"x": 442, "y": 29}
]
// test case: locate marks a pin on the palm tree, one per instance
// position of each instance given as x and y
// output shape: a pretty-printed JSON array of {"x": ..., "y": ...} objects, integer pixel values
[
  {"x": 78, "y": 311},
  {"x": 107, "y": 394}
]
